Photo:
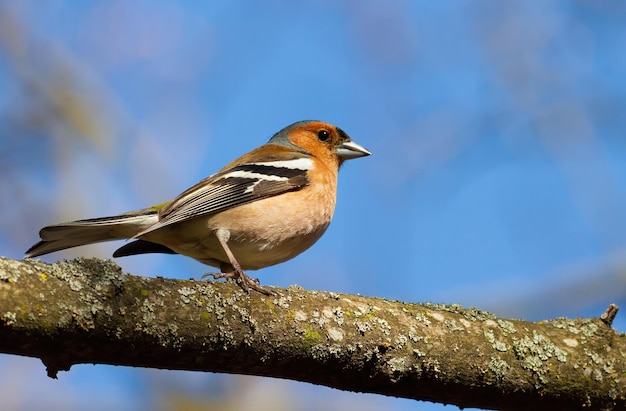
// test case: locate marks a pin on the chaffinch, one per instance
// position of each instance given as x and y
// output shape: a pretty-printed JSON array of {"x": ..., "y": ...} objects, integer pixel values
[{"x": 263, "y": 208}]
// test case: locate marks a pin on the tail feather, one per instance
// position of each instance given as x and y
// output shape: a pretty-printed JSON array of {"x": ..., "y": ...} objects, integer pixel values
[{"x": 76, "y": 233}]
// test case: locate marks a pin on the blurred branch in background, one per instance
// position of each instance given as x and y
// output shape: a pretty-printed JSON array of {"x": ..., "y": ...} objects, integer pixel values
[
  {"x": 54, "y": 104},
  {"x": 61, "y": 100},
  {"x": 558, "y": 104}
]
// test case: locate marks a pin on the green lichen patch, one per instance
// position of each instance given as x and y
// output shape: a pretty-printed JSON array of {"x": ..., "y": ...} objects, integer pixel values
[{"x": 310, "y": 338}]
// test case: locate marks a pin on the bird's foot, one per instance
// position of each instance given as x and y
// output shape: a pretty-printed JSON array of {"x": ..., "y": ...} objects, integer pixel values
[{"x": 243, "y": 280}]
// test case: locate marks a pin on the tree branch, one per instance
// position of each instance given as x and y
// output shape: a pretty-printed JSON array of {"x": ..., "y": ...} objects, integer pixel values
[{"x": 88, "y": 311}]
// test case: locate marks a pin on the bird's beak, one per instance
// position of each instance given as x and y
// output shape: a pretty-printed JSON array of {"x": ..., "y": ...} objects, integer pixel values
[{"x": 350, "y": 149}]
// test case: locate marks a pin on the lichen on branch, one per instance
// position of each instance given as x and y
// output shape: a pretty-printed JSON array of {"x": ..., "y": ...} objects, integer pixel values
[{"x": 88, "y": 311}]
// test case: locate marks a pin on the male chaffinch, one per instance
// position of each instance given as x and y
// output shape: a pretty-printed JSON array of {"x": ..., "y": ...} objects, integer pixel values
[{"x": 263, "y": 208}]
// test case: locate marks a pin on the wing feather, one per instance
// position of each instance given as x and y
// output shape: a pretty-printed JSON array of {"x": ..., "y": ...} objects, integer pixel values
[{"x": 234, "y": 187}]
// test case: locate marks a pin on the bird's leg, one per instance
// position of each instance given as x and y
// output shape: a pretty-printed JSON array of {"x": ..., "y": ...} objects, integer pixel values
[{"x": 234, "y": 270}]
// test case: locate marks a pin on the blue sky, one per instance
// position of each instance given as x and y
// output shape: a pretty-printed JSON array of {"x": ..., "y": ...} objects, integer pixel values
[{"x": 498, "y": 175}]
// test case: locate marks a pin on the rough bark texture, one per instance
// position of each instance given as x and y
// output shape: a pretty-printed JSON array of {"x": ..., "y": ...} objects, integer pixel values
[{"x": 88, "y": 311}]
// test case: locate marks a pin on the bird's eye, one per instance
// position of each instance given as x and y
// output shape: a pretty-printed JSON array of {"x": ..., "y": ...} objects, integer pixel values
[{"x": 323, "y": 135}]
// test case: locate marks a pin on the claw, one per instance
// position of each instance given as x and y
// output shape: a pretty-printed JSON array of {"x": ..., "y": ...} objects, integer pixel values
[{"x": 245, "y": 282}]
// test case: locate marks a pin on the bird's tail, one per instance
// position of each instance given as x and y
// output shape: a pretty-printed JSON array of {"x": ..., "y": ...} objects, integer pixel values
[{"x": 72, "y": 234}]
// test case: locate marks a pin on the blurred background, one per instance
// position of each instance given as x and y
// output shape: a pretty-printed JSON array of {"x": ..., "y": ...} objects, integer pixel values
[{"x": 498, "y": 175}]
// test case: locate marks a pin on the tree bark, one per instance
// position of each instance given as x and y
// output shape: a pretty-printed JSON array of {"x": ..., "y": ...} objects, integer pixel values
[{"x": 88, "y": 311}]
